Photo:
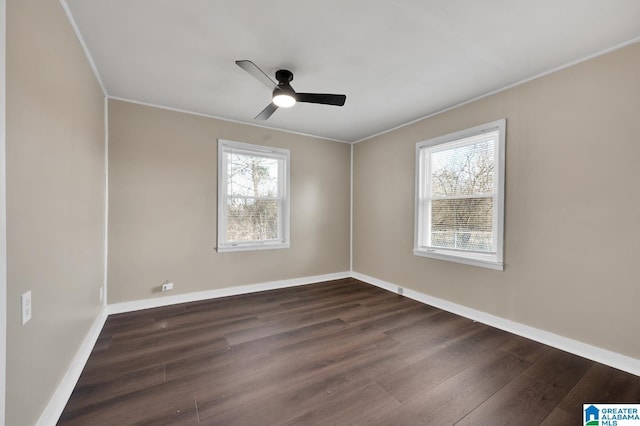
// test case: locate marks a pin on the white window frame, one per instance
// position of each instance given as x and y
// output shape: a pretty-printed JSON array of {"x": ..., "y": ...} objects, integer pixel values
[
  {"x": 422, "y": 217},
  {"x": 282, "y": 154}
]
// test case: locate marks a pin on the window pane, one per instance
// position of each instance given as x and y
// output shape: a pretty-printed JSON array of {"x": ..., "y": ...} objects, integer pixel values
[
  {"x": 465, "y": 224},
  {"x": 251, "y": 219},
  {"x": 252, "y": 176},
  {"x": 465, "y": 170}
]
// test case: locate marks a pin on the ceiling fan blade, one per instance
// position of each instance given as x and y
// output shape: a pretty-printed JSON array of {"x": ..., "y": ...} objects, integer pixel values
[
  {"x": 321, "y": 98},
  {"x": 253, "y": 69},
  {"x": 266, "y": 113}
]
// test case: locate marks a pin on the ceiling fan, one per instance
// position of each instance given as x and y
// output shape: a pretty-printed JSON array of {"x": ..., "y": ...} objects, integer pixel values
[{"x": 283, "y": 94}]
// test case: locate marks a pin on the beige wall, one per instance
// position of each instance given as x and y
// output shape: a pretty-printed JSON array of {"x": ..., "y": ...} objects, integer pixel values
[
  {"x": 572, "y": 215},
  {"x": 162, "y": 205},
  {"x": 55, "y": 201}
]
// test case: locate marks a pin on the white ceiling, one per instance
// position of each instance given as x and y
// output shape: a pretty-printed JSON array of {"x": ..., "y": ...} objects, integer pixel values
[{"x": 396, "y": 60}]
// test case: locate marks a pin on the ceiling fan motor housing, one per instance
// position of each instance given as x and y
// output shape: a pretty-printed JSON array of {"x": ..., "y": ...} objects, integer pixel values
[
  {"x": 284, "y": 76},
  {"x": 284, "y": 88}
]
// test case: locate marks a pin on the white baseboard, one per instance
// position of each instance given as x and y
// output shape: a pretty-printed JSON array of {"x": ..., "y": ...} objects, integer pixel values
[
  {"x": 56, "y": 404},
  {"x": 137, "y": 305},
  {"x": 58, "y": 401},
  {"x": 594, "y": 353}
]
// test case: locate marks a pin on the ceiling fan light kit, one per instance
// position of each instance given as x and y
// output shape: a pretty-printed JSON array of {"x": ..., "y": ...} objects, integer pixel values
[
  {"x": 283, "y": 94},
  {"x": 283, "y": 100}
]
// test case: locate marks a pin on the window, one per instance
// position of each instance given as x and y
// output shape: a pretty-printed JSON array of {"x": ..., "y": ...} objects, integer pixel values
[
  {"x": 460, "y": 196},
  {"x": 253, "y": 197}
]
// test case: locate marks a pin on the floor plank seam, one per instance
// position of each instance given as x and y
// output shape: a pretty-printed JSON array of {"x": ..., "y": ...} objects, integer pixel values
[{"x": 195, "y": 400}]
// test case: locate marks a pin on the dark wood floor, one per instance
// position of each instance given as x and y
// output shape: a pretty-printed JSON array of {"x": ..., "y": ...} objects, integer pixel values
[{"x": 340, "y": 352}]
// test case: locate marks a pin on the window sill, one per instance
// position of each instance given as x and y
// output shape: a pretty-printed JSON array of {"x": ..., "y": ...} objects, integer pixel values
[
  {"x": 483, "y": 261},
  {"x": 252, "y": 247}
]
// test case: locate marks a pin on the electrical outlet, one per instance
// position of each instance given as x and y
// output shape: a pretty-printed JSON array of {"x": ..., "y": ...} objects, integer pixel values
[
  {"x": 167, "y": 286},
  {"x": 101, "y": 293},
  {"x": 26, "y": 307}
]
